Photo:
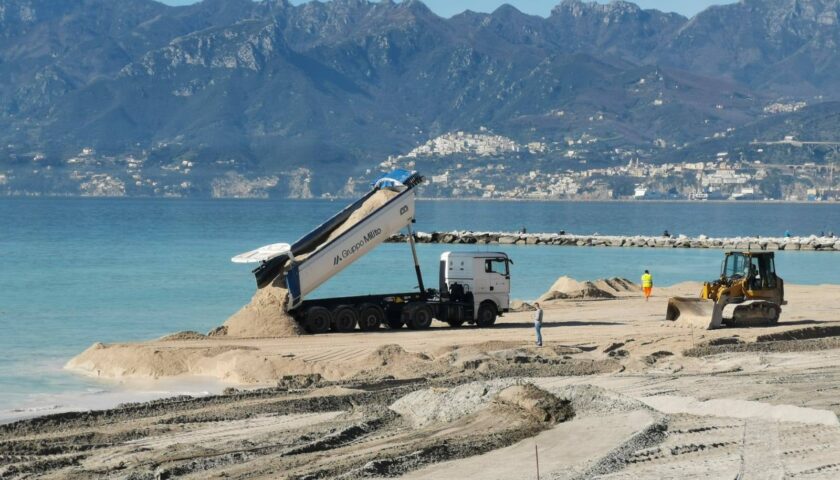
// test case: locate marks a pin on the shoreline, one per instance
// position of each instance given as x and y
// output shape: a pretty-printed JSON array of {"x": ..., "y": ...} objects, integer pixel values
[{"x": 111, "y": 393}]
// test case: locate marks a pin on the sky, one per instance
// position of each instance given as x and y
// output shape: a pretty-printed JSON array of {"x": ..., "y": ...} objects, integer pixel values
[{"x": 447, "y": 8}]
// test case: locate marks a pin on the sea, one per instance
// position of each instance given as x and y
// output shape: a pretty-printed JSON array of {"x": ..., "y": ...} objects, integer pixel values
[{"x": 76, "y": 271}]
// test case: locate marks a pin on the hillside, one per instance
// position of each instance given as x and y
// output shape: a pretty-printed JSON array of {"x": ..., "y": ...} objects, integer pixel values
[{"x": 242, "y": 98}]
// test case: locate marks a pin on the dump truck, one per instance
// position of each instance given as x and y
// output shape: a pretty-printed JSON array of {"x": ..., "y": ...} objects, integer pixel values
[
  {"x": 748, "y": 293},
  {"x": 473, "y": 287}
]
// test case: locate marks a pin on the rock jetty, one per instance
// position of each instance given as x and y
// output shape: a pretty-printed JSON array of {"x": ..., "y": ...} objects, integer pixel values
[{"x": 811, "y": 243}]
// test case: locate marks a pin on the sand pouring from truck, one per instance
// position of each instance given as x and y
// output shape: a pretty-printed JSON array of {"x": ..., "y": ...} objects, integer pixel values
[
  {"x": 748, "y": 293},
  {"x": 474, "y": 287}
]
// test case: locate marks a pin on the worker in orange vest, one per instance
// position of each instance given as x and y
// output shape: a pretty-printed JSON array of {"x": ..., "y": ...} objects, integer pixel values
[{"x": 647, "y": 284}]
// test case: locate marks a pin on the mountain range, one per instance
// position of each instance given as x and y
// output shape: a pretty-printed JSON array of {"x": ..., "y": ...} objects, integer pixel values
[{"x": 303, "y": 97}]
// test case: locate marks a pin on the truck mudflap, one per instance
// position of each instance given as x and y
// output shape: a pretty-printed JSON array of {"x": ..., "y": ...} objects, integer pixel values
[{"x": 692, "y": 312}]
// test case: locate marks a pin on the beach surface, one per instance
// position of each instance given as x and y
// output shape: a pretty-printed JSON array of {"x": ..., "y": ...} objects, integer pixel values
[{"x": 616, "y": 392}]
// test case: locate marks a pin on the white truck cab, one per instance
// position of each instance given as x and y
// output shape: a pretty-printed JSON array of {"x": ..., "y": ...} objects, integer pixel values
[{"x": 486, "y": 275}]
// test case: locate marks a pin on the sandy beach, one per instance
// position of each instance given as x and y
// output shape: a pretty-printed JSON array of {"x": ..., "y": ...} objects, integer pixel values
[{"x": 614, "y": 393}]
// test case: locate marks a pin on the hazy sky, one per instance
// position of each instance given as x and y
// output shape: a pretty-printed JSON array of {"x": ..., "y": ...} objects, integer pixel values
[{"x": 447, "y": 8}]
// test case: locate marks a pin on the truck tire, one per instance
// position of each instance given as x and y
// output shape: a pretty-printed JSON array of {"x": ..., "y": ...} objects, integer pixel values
[
  {"x": 370, "y": 317},
  {"x": 420, "y": 316},
  {"x": 344, "y": 319},
  {"x": 317, "y": 320},
  {"x": 486, "y": 315}
]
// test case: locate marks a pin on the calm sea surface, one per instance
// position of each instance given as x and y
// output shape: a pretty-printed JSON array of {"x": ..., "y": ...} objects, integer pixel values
[{"x": 77, "y": 271}]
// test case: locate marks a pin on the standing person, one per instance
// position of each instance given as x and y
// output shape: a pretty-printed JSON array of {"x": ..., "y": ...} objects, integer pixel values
[
  {"x": 647, "y": 284},
  {"x": 538, "y": 315}
]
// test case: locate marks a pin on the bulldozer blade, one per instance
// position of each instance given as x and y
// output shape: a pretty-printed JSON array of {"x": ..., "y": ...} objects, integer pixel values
[{"x": 694, "y": 312}]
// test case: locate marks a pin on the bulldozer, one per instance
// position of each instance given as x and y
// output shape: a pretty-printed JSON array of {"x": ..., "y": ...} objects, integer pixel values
[{"x": 748, "y": 293}]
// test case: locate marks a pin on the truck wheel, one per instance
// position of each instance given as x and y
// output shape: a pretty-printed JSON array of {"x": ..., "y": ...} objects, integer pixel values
[
  {"x": 344, "y": 319},
  {"x": 486, "y": 315},
  {"x": 318, "y": 320},
  {"x": 421, "y": 316},
  {"x": 370, "y": 317}
]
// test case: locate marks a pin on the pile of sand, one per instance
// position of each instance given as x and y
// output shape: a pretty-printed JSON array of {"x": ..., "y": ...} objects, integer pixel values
[
  {"x": 521, "y": 306},
  {"x": 264, "y": 316},
  {"x": 567, "y": 288},
  {"x": 444, "y": 405},
  {"x": 393, "y": 360},
  {"x": 185, "y": 335},
  {"x": 154, "y": 361},
  {"x": 617, "y": 286},
  {"x": 536, "y": 403}
]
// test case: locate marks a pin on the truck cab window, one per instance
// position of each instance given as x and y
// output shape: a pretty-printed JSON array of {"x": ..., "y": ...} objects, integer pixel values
[{"x": 495, "y": 266}]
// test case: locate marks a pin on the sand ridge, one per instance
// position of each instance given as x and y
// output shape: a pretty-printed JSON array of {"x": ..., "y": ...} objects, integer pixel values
[{"x": 567, "y": 288}]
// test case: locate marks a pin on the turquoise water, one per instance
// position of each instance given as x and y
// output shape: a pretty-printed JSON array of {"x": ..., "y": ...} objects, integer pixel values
[{"x": 77, "y": 271}]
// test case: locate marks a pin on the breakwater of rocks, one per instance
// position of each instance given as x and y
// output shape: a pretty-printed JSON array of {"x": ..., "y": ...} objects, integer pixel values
[{"x": 811, "y": 243}]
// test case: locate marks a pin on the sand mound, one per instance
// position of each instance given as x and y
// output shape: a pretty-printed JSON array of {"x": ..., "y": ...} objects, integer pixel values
[
  {"x": 148, "y": 361},
  {"x": 443, "y": 405},
  {"x": 393, "y": 360},
  {"x": 265, "y": 315},
  {"x": 589, "y": 400},
  {"x": 185, "y": 335},
  {"x": 567, "y": 288},
  {"x": 617, "y": 285},
  {"x": 536, "y": 403},
  {"x": 521, "y": 306}
]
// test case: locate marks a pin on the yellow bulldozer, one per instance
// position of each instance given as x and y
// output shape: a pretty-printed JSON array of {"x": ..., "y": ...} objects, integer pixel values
[{"x": 748, "y": 293}]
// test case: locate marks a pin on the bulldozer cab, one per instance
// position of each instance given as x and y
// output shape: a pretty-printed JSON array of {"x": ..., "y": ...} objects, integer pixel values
[{"x": 758, "y": 269}]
